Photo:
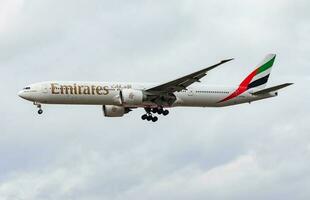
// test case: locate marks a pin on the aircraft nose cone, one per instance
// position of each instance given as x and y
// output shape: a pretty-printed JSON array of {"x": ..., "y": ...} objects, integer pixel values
[
  {"x": 26, "y": 95},
  {"x": 22, "y": 94}
]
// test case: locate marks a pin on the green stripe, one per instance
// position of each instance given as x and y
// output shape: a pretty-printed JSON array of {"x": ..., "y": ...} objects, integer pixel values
[{"x": 266, "y": 66}]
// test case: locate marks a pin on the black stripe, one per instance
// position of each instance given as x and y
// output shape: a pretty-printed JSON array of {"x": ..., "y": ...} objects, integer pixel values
[{"x": 259, "y": 82}]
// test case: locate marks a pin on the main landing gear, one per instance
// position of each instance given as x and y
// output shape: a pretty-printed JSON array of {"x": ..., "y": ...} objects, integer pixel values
[
  {"x": 149, "y": 116},
  {"x": 40, "y": 111},
  {"x": 160, "y": 111}
]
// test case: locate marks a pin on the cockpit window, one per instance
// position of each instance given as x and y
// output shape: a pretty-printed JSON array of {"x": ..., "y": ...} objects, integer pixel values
[{"x": 27, "y": 88}]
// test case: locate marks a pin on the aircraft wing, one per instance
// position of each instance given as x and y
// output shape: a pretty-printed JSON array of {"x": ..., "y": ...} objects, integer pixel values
[{"x": 183, "y": 82}]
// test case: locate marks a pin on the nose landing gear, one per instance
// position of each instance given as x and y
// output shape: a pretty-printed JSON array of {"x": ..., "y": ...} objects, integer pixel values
[{"x": 40, "y": 111}]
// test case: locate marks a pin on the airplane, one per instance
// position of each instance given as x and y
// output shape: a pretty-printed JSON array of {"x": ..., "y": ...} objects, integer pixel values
[{"x": 118, "y": 99}]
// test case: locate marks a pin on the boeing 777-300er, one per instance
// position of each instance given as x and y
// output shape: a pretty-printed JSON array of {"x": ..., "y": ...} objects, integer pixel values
[{"x": 118, "y": 99}]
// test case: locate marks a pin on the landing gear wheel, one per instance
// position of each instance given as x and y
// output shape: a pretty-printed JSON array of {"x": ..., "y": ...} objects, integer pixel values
[
  {"x": 154, "y": 119},
  {"x": 40, "y": 111},
  {"x": 166, "y": 112},
  {"x": 160, "y": 111},
  {"x": 149, "y": 118},
  {"x": 144, "y": 117}
]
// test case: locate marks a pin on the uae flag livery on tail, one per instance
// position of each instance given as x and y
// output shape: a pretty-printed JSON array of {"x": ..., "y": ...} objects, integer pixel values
[{"x": 257, "y": 79}]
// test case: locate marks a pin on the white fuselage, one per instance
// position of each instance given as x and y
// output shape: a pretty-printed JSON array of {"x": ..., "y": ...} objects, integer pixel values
[{"x": 108, "y": 93}]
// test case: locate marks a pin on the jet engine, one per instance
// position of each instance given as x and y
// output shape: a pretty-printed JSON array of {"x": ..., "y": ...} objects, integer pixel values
[
  {"x": 131, "y": 97},
  {"x": 114, "y": 111}
]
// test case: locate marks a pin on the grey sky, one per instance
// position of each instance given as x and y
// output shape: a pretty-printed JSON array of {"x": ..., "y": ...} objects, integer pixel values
[{"x": 257, "y": 151}]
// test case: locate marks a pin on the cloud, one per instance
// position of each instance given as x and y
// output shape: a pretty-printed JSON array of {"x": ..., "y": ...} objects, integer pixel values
[
  {"x": 9, "y": 13},
  {"x": 91, "y": 176}
]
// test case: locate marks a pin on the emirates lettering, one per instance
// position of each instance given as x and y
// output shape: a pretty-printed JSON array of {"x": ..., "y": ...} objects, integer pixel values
[{"x": 79, "y": 89}]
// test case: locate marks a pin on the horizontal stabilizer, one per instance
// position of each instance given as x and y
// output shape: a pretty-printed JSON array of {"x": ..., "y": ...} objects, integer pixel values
[{"x": 271, "y": 89}]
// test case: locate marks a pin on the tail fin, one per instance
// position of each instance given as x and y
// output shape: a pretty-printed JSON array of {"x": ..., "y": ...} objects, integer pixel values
[{"x": 259, "y": 77}]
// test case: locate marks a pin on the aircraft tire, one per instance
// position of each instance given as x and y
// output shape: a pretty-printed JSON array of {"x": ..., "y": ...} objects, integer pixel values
[
  {"x": 149, "y": 118},
  {"x": 143, "y": 117},
  {"x": 160, "y": 111},
  {"x": 154, "y": 119}
]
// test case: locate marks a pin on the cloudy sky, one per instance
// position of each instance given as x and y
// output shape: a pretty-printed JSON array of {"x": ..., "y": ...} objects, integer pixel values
[{"x": 257, "y": 151}]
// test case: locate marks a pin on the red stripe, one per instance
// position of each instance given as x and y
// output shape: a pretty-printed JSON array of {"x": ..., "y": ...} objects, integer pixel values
[{"x": 242, "y": 87}]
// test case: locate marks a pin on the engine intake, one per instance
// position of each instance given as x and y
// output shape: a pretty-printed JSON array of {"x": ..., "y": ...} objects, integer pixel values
[{"x": 114, "y": 111}]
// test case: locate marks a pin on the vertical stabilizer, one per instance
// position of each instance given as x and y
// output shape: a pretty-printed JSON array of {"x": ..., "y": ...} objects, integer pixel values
[
  {"x": 259, "y": 77},
  {"x": 256, "y": 80}
]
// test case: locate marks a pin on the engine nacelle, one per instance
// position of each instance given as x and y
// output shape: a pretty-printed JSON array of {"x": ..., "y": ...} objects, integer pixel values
[
  {"x": 131, "y": 97},
  {"x": 114, "y": 111}
]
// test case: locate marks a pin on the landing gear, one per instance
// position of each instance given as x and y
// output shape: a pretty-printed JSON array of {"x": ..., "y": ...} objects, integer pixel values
[
  {"x": 160, "y": 111},
  {"x": 154, "y": 119},
  {"x": 154, "y": 110},
  {"x": 165, "y": 112},
  {"x": 144, "y": 117},
  {"x": 149, "y": 116},
  {"x": 40, "y": 111}
]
